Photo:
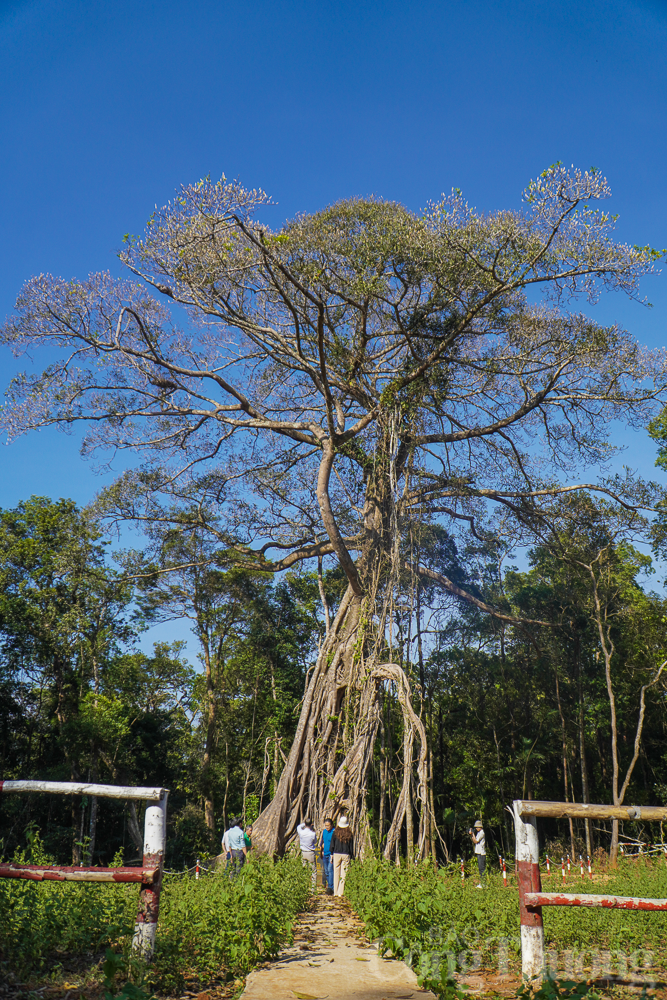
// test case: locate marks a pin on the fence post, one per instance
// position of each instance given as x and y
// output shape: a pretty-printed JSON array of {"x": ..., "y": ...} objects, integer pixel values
[
  {"x": 528, "y": 876},
  {"x": 155, "y": 833}
]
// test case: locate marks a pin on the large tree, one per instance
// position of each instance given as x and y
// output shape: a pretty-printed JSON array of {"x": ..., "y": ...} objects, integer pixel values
[{"x": 359, "y": 373}]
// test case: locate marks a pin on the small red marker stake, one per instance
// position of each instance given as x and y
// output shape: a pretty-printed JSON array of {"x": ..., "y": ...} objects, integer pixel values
[
  {"x": 568, "y": 864},
  {"x": 562, "y": 868},
  {"x": 581, "y": 865},
  {"x": 504, "y": 874},
  {"x": 463, "y": 871},
  {"x": 197, "y": 869},
  {"x": 590, "y": 870},
  {"x": 548, "y": 866}
]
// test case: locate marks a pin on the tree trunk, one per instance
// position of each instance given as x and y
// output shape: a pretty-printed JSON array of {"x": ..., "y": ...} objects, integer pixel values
[
  {"x": 383, "y": 780},
  {"x": 326, "y": 771},
  {"x": 92, "y": 827},
  {"x": 564, "y": 749},
  {"x": 409, "y": 814},
  {"x": 608, "y": 649},
  {"x": 582, "y": 749},
  {"x": 432, "y": 823},
  {"x": 134, "y": 828},
  {"x": 209, "y": 739},
  {"x": 75, "y": 807}
]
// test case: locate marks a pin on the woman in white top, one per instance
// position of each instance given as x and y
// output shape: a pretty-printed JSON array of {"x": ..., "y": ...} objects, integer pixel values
[
  {"x": 479, "y": 842},
  {"x": 308, "y": 844}
]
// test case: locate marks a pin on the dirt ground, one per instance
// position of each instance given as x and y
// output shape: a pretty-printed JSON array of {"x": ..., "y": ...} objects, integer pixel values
[{"x": 330, "y": 958}]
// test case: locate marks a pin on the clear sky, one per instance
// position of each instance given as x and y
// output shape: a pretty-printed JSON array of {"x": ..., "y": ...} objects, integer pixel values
[{"x": 105, "y": 108}]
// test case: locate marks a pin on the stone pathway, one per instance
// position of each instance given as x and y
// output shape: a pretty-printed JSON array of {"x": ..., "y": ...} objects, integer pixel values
[{"x": 330, "y": 959}]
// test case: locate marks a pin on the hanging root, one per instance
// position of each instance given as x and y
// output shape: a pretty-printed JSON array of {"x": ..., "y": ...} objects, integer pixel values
[
  {"x": 412, "y": 725},
  {"x": 326, "y": 772}
]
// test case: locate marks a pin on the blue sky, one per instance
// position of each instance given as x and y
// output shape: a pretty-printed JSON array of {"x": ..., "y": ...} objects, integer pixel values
[{"x": 105, "y": 108}]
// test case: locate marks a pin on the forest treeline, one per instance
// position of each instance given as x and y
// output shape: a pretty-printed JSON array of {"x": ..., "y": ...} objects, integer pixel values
[{"x": 509, "y": 710}]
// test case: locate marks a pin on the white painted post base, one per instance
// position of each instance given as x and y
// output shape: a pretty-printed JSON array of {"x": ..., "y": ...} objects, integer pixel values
[
  {"x": 532, "y": 953},
  {"x": 143, "y": 942}
]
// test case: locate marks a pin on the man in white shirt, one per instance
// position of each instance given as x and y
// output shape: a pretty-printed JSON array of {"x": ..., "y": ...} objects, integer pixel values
[
  {"x": 479, "y": 843},
  {"x": 234, "y": 842}
]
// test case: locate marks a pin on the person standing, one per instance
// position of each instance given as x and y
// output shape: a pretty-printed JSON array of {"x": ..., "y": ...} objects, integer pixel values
[
  {"x": 479, "y": 844},
  {"x": 308, "y": 844},
  {"x": 327, "y": 862},
  {"x": 225, "y": 847},
  {"x": 237, "y": 847},
  {"x": 247, "y": 836},
  {"x": 342, "y": 851}
]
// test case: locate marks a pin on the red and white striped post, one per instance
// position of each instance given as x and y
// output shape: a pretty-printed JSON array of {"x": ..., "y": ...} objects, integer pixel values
[
  {"x": 528, "y": 873},
  {"x": 590, "y": 870},
  {"x": 155, "y": 836},
  {"x": 531, "y": 901},
  {"x": 548, "y": 866},
  {"x": 463, "y": 870},
  {"x": 562, "y": 868},
  {"x": 581, "y": 865}
]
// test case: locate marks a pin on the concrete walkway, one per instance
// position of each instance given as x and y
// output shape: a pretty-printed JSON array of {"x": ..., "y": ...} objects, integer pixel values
[{"x": 330, "y": 959}]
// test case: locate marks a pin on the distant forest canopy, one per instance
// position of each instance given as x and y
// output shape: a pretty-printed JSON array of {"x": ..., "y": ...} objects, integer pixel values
[{"x": 508, "y": 713}]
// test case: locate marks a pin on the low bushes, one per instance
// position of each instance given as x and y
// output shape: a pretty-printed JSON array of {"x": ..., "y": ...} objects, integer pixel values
[
  {"x": 208, "y": 928},
  {"x": 437, "y": 925},
  {"x": 215, "y": 924}
]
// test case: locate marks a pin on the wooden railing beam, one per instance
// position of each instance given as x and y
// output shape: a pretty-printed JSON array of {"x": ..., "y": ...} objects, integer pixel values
[{"x": 586, "y": 810}]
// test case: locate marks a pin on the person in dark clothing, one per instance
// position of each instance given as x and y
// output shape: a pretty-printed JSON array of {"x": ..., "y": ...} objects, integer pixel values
[{"x": 342, "y": 850}]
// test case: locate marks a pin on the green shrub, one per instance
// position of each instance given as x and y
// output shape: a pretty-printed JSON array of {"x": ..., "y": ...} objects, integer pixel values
[
  {"x": 216, "y": 924},
  {"x": 438, "y": 925},
  {"x": 44, "y": 920},
  {"x": 210, "y": 927}
]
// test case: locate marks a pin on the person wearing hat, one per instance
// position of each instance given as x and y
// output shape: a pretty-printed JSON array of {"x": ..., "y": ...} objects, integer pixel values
[
  {"x": 308, "y": 844},
  {"x": 342, "y": 849},
  {"x": 479, "y": 843}
]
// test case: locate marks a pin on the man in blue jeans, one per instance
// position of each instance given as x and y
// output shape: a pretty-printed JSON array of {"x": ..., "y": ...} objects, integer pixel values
[{"x": 325, "y": 847}]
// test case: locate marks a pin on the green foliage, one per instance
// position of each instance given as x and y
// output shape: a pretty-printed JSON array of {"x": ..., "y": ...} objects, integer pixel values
[
  {"x": 425, "y": 917},
  {"x": 557, "y": 989},
  {"x": 219, "y": 924},
  {"x": 43, "y": 921},
  {"x": 437, "y": 925},
  {"x": 113, "y": 966},
  {"x": 207, "y": 928}
]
